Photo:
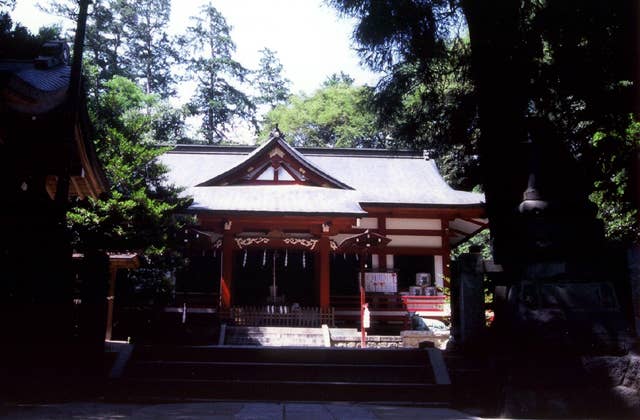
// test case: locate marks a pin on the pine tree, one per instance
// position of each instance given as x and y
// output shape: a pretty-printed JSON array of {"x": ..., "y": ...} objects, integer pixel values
[
  {"x": 151, "y": 51},
  {"x": 273, "y": 88},
  {"x": 218, "y": 96}
]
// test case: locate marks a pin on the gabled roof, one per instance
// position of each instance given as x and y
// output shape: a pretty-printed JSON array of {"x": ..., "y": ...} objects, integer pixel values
[
  {"x": 359, "y": 178},
  {"x": 275, "y": 157}
]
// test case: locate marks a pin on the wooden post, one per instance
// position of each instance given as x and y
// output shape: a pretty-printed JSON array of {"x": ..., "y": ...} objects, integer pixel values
[
  {"x": 363, "y": 333},
  {"x": 446, "y": 253},
  {"x": 113, "y": 271},
  {"x": 382, "y": 256},
  {"x": 226, "y": 281}
]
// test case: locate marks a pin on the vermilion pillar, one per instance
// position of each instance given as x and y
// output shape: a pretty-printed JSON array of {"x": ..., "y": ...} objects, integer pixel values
[
  {"x": 226, "y": 281},
  {"x": 324, "y": 270}
]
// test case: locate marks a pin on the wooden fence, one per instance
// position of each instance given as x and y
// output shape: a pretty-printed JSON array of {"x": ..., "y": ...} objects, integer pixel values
[{"x": 281, "y": 316}]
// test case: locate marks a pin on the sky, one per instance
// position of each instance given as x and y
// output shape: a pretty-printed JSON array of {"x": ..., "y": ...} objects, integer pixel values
[{"x": 310, "y": 39}]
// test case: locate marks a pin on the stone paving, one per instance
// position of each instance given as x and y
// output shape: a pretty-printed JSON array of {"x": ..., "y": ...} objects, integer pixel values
[{"x": 226, "y": 410}]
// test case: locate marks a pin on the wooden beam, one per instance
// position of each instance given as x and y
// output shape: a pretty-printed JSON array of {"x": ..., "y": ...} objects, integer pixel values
[
  {"x": 475, "y": 222},
  {"x": 245, "y": 223},
  {"x": 269, "y": 182},
  {"x": 401, "y": 250},
  {"x": 425, "y": 212},
  {"x": 471, "y": 235},
  {"x": 415, "y": 232},
  {"x": 458, "y": 231}
]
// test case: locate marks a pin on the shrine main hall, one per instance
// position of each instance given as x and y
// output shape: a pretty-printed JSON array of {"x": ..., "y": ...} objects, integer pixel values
[{"x": 270, "y": 222}]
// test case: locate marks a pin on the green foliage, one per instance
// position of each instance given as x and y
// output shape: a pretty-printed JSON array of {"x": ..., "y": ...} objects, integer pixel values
[
  {"x": 138, "y": 212},
  {"x": 336, "y": 115},
  {"x": 615, "y": 152},
  {"x": 127, "y": 38},
  {"x": 480, "y": 241},
  {"x": 426, "y": 100},
  {"x": 337, "y": 79},
  {"x": 477, "y": 94},
  {"x": 436, "y": 111},
  {"x": 392, "y": 32},
  {"x": 218, "y": 99},
  {"x": 151, "y": 52},
  {"x": 273, "y": 88}
]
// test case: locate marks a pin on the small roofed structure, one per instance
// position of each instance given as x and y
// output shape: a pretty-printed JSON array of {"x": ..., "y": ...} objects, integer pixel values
[
  {"x": 40, "y": 133},
  {"x": 117, "y": 261}
]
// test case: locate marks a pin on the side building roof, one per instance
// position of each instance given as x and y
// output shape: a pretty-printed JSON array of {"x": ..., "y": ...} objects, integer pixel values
[{"x": 34, "y": 107}]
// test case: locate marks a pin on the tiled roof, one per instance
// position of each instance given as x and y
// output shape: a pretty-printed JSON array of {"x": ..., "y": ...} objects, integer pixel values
[
  {"x": 29, "y": 91},
  {"x": 377, "y": 176},
  {"x": 395, "y": 180},
  {"x": 283, "y": 199},
  {"x": 41, "y": 89},
  {"x": 47, "y": 80}
]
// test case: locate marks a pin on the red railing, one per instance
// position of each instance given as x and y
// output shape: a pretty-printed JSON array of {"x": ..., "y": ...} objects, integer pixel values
[
  {"x": 389, "y": 308},
  {"x": 430, "y": 306}
]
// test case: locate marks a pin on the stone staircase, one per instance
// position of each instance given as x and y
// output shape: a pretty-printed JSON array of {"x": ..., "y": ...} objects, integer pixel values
[
  {"x": 274, "y": 336},
  {"x": 171, "y": 373}
]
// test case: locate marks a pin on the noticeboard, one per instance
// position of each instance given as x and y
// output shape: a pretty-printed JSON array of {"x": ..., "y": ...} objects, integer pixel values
[{"x": 381, "y": 282}]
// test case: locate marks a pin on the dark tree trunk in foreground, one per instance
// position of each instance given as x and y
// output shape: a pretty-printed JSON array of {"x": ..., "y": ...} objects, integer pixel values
[{"x": 500, "y": 76}]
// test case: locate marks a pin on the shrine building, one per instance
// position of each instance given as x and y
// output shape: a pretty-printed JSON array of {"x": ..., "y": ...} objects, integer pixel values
[{"x": 271, "y": 221}]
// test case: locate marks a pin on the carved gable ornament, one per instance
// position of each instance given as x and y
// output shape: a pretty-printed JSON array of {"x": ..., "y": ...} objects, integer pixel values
[
  {"x": 275, "y": 162},
  {"x": 276, "y": 152}
]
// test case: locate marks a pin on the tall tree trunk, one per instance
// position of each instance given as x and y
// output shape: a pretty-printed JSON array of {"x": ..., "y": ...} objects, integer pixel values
[{"x": 499, "y": 73}]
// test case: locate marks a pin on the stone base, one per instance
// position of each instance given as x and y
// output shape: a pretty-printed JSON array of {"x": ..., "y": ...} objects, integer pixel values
[
  {"x": 274, "y": 336},
  {"x": 338, "y": 337},
  {"x": 414, "y": 338},
  {"x": 351, "y": 338}
]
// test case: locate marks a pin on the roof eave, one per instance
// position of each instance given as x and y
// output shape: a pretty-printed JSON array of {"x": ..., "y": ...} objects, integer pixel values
[
  {"x": 423, "y": 205},
  {"x": 258, "y": 213}
]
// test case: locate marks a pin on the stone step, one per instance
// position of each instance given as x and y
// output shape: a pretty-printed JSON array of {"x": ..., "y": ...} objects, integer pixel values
[
  {"x": 261, "y": 390},
  {"x": 312, "y": 372},
  {"x": 285, "y": 373},
  {"x": 281, "y": 354}
]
